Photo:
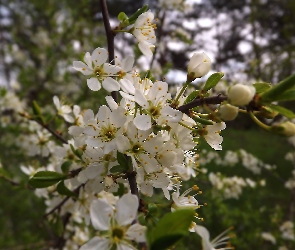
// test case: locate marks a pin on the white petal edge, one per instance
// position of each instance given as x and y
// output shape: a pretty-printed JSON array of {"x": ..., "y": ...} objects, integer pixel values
[{"x": 93, "y": 84}]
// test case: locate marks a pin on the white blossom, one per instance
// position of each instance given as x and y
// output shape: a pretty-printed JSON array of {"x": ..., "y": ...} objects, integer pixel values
[
  {"x": 117, "y": 222},
  {"x": 144, "y": 31}
]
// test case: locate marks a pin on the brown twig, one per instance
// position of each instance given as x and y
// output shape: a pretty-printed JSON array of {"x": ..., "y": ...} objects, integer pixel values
[
  {"x": 55, "y": 134},
  {"x": 58, "y": 206},
  {"x": 110, "y": 38},
  {"x": 202, "y": 101}
]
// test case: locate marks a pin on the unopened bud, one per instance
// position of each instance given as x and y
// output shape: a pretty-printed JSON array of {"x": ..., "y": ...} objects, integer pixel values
[
  {"x": 240, "y": 95},
  {"x": 199, "y": 65},
  {"x": 228, "y": 112},
  {"x": 285, "y": 128},
  {"x": 267, "y": 113}
]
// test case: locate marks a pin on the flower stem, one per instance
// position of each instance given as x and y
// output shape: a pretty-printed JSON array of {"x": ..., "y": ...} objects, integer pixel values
[
  {"x": 174, "y": 103},
  {"x": 259, "y": 123}
]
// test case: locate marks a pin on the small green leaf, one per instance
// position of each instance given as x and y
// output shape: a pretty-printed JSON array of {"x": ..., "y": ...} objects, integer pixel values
[
  {"x": 192, "y": 96},
  {"x": 122, "y": 16},
  {"x": 213, "y": 80},
  {"x": 277, "y": 90},
  {"x": 283, "y": 111},
  {"x": 120, "y": 191},
  {"x": 133, "y": 18},
  {"x": 289, "y": 95},
  {"x": 170, "y": 229},
  {"x": 261, "y": 87},
  {"x": 118, "y": 169},
  {"x": 37, "y": 112},
  {"x": 122, "y": 159},
  {"x": 66, "y": 166},
  {"x": 63, "y": 190},
  {"x": 78, "y": 152},
  {"x": 202, "y": 121},
  {"x": 44, "y": 179},
  {"x": 166, "y": 241},
  {"x": 36, "y": 109}
]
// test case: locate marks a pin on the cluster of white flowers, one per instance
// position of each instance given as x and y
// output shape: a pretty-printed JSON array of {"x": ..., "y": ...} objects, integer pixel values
[
  {"x": 287, "y": 230},
  {"x": 290, "y": 183},
  {"x": 232, "y": 158},
  {"x": 154, "y": 139},
  {"x": 229, "y": 187}
]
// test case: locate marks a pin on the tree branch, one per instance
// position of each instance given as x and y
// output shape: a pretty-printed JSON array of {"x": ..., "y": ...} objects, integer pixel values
[
  {"x": 56, "y": 135},
  {"x": 202, "y": 101},
  {"x": 59, "y": 205},
  {"x": 110, "y": 38}
]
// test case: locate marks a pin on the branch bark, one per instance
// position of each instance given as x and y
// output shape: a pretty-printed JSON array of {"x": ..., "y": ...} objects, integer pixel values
[
  {"x": 110, "y": 38},
  {"x": 202, "y": 101}
]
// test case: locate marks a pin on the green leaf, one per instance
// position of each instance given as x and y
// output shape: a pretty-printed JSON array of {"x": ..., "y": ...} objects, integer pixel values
[
  {"x": 44, "y": 179},
  {"x": 66, "y": 166},
  {"x": 37, "y": 112},
  {"x": 78, "y": 152},
  {"x": 277, "y": 90},
  {"x": 261, "y": 87},
  {"x": 166, "y": 241},
  {"x": 213, "y": 80},
  {"x": 202, "y": 121},
  {"x": 36, "y": 109},
  {"x": 171, "y": 228},
  {"x": 133, "y": 18},
  {"x": 289, "y": 95},
  {"x": 283, "y": 111},
  {"x": 63, "y": 190},
  {"x": 122, "y": 160},
  {"x": 122, "y": 16},
  {"x": 192, "y": 96},
  {"x": 121, "y": 190},
  {"x": 118, "y": 169}
]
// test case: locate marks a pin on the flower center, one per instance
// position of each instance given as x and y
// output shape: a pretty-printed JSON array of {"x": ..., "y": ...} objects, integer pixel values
[
  {"x": 108, "y": 133},
  {"x": 117, "y": 233},
  {"x": 154, "y": 111},
  {"x": 136, "y": 148},
  {"x": 99, "y": 72}
]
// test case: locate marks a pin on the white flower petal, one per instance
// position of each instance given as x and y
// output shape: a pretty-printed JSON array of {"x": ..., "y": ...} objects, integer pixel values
[
  {"x": 97, "y": 243},
  {"x": 100, "y": 214},
  {"x": 127, "y": 86},
  {"x": 136, "y": 233},
  {"x": 122, "y": 143},
  {"x": 111, "y": 69},
  {"x": 141, "y": 99},
  {"x": 99, "y": 56},
  {"x": 56, "y": 102},
  {"x": 126, "y": 96},
  {"x": 126, "y": 209},
  {"x": 111, "y": 102},
  {"x": 93, "y": 84},
  {"x": 109, "y": 84},
  {"x": 68, "y": 118},
  {"x": 146, "y": 49},
  {"x": 88, "y": 60},
  {"x": 82, "y": 67},
  {"x": 142, "y": 122},
  {"x": 127, "y": 63}
]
